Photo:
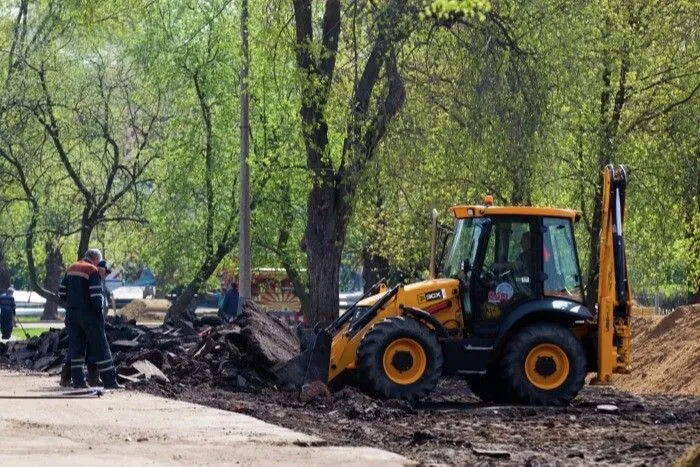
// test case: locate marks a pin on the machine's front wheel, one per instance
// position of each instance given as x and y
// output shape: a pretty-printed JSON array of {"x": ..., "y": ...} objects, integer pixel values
[
  {"x": 544, "y": 364},
  {"x": 398, "y": 357}
]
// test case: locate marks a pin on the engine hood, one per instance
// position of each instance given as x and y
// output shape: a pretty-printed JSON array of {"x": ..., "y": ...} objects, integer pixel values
[{"x": 424, "y": 291}]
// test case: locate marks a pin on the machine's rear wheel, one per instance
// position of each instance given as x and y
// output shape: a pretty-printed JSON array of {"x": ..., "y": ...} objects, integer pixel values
[
  {"x": 544, "y": 364},
  {"x": 399, "y": 358}
]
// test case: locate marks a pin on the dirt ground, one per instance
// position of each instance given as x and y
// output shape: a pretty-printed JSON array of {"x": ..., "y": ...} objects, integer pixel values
[
  {"x": 228, "y": 367},
  {"x": 453, "y": 427}
]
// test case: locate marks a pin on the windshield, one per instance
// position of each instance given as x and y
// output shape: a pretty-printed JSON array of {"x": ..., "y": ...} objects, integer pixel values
[{"x": 464, "y": 245}]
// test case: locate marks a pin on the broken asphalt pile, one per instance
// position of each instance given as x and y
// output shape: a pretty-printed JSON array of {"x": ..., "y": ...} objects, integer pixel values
[{"x": 187, "y": 353}]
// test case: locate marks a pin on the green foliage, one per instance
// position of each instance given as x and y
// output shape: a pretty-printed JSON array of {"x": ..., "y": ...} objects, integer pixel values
[
  {"x": 20, "y": 335},
  {"x": 514, "y": 99},
  {"x": 447, "y": 9}
]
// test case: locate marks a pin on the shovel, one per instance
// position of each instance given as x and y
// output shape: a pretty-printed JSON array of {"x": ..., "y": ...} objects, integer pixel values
[{"x": 26, "y": 334}]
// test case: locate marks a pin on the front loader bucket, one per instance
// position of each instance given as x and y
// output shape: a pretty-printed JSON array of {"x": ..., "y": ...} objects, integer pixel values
[
  {"x": 311, "y": 364},
  {"x": 314, "y": 359}
]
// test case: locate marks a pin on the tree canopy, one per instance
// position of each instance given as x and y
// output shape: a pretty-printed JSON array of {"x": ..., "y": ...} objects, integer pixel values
[{"x": 119, "y": 127}]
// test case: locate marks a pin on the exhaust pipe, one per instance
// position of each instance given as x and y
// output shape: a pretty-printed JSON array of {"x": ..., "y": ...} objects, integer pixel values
[{"x": 433, "y": 244}]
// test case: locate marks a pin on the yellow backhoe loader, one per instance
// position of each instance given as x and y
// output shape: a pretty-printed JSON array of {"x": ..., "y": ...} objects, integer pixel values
[{"x": 506, "y": 312}]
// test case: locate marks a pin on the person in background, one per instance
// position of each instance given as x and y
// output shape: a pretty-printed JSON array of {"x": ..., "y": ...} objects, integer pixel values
[
  {"x": 525, "y": 261},
  {"x": 81, "y": 288},
  {"x": 7, "y": 313},
  {"x": 229, "y": 308},
  {"x": 220, "y": 296}
]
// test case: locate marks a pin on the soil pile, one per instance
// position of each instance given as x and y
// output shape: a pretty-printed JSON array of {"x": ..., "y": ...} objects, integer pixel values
[
  {"x": 145, "y": 309},
  {"x": 176, "y": 355},
  {"x": 665, "y": 354}
]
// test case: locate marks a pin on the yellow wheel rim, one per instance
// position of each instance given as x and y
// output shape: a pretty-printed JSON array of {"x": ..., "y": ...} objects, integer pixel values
[
  {"x": 547, "y": 366},
  {"x": 404, "y": 361}
]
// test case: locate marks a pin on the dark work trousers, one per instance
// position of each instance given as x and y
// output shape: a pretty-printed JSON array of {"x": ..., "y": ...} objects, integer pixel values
[
  {"x": 6, "y": 323},
  {"x": 86, "y": 332},
  {"x": 93, "y": 374}
]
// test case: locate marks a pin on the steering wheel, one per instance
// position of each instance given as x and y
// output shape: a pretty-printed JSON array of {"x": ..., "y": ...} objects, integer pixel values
[
  {"x": 507, "y": 273},
  {"x": 487, "y": 276},
  {"x": 509, "y": 276}
]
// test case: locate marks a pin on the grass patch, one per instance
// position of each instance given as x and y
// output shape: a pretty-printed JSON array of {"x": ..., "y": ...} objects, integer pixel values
[
  {"x": 19, "y": 335},
  {"x": 30, "y": 319},
  {"x": 37, "y": 319}
]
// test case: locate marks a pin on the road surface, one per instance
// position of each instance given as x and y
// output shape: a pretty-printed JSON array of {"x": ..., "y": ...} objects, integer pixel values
[{"x": 41, "y": 427}]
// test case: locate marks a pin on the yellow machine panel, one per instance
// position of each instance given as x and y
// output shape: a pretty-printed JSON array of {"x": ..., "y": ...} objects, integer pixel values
[
  {"x": 464, "y": 211},
  {"x": 438, "y": 297},
  {"x": 613, "y": 326}
]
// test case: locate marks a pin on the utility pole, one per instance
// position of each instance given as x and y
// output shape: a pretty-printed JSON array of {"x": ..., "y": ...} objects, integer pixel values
[{"x": 244, "y": 231}]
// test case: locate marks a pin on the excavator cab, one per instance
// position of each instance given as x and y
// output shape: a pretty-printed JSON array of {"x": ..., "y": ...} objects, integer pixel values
[{"x": 504, "y": 261}]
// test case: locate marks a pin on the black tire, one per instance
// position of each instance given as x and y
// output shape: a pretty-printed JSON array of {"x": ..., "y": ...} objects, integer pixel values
[
  {"x": 489, "y": 387},
  {"x": 371, "y": 356},
  {"x": 524, "y": 388}
]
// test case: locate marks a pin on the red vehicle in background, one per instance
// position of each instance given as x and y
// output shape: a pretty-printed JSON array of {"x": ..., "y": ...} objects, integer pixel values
[{"x": 272, "y": 290}]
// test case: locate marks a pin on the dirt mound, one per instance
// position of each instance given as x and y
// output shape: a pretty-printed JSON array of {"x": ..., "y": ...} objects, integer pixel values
[
  {"x": 665, "y": 353},
  {"x": 145, "y": 309}
]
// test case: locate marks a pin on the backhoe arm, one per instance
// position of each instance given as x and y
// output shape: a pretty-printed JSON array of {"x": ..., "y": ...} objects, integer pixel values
[{"x": 614, "y": 295}]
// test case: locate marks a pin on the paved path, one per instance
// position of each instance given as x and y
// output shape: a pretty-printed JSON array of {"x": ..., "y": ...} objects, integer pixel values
[
  {"x": 41, "y": 324},
  {"x": 42, "y": 427},
  {"x": 60, "y": 325}
]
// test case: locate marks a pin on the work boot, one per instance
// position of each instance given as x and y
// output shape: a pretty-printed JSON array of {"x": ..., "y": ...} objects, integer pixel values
[
  {"x": 93, "y": 375},
  {"x": 65, "y": 376},
  {"x": 83, "y": 385}
]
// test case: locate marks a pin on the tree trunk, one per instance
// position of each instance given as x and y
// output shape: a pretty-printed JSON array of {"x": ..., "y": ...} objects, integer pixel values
[
  {"x": 54, "y": 267},
  {"x": 330, "y": 201},
  {"x": 323, "y": 284},
  {"x": 85, "y": 235},
  {"x": 325, "y": 232},
  {"x": 31, "y": 263},
  {"x": 521, "y": 189},
  {"x": 209, "y": 265},
  {"x": 5, "y": 281},
  {"x": 609, "y": 124},
  {"x": 178, "y": 309}
]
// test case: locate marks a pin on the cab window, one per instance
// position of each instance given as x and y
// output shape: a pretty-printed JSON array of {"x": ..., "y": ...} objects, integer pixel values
[
  {"x": 562, "y": 277},
  {"x": 509, "y": 263}
]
